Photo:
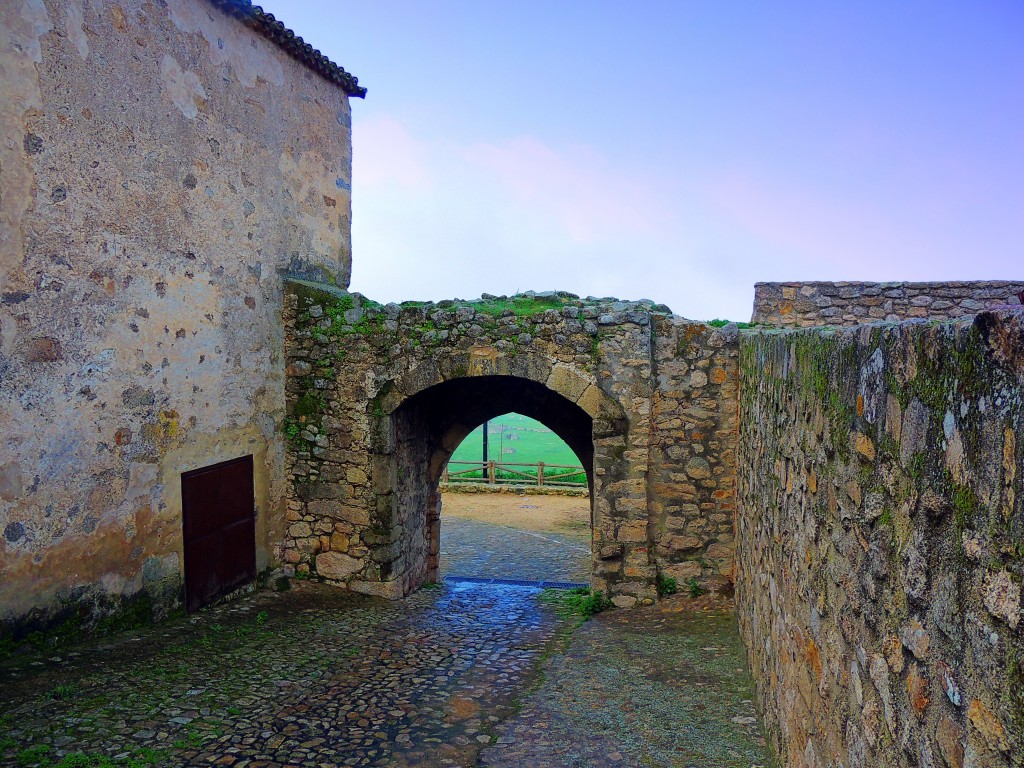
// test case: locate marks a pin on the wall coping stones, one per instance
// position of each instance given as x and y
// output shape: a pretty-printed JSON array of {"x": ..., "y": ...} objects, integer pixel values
[{"x": 816, "y": 303}]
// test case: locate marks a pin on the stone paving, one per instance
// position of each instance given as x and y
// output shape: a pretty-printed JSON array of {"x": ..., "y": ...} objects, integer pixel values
[
  {"x": 650, "y": 687},
  {"x": 472, "y": 548},
  {"x": 318, "y": 677}
]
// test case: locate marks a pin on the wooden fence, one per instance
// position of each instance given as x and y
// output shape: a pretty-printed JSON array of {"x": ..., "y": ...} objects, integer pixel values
[{"x": 506, "y": 473}]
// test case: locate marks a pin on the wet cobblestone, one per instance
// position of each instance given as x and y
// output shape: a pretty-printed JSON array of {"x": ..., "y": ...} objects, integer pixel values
[
  {"x": 472, "y": 548},
  {"x": 664, "y": 686},
  {"x": 318, "y": 677},
  {"x": 306, "y": 678}
]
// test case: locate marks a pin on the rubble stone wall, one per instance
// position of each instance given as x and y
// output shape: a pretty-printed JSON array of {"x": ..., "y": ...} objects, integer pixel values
[
  {"x": 161, "y": 166},
  {"x": 880, "y": 530},
  {"x": 849, "y": 303},
  {"x": 691, "y": 488},
  {"x": 379, "y": 398}
]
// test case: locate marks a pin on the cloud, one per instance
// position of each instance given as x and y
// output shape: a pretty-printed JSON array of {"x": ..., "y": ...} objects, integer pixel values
[
  {"x": 386, "y": 154},
  {"x": 821, "y": 234},
  {"x": 942, "y": 228},
  {"x": 435, "y": 217},
  {"x": 582, "y": 189}
]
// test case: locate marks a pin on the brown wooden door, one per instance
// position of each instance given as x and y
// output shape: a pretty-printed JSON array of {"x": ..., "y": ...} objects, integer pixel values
[{"x": 219, "y": 519}]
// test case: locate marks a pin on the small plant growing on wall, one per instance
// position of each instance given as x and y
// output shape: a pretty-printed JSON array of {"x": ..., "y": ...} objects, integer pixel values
[
  {"x": 666, "y": 585},
  {"x": 291, "y": 431},
  {"x": 696, "y": 588}
]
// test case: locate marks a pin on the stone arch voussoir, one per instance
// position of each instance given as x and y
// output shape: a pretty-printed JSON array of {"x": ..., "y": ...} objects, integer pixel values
[{"x": 575, "y": 385}]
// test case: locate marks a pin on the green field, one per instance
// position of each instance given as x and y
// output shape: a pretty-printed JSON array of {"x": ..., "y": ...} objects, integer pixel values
[{"x": 514, "y": 438}]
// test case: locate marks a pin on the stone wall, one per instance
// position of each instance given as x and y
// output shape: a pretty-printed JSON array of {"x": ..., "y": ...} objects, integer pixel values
[
  {"x": 880, "y": 531},
  {"x": 849, "y": 303},
  {"x": 161, "y": 165},
  {"x": 691, "y": 490},
  {"x": 379, "y": 398}
]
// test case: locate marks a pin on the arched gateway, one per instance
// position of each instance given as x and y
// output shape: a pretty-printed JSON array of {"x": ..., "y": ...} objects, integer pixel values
[
  {"x": 430, "y": 425},
  {"x": 379, "y": 398}
]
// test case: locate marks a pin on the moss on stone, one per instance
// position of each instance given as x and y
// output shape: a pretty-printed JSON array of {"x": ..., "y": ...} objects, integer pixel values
[
  {"x": 308, "y": 404},
  {"x": 521, "y": 306},
  {"x": 71, "y": 621},
  {"x": 309, "y": 293},
  {"x": 136, "y": 612},
  {"x": 888, "y": 450},
  {"x": 818, "y": 355},
  {"x": 918, "y": 466},
  {"x": 965, "y": 502},
  {"x": 376, "y": 405},
  {"x": 947, "y": 371}
]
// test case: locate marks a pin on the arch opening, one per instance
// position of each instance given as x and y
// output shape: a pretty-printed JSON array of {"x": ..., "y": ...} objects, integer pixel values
[
  {"x": 431, "y": 424},
  {"x": 519, "y": 511},
  {"x": 519, "y": 447}
]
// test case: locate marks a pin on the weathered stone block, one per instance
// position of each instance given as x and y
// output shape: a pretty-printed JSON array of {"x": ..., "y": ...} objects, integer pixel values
[
  {"x": 723, "y": 552},
  {"x": 43, "y": 350},
  {"x": 949, "y": 736},
  {"x": 985, "y": 721},
  {"x": 337, "y": 566},
  {"x": 681, "y": 572},
  {"x": 391, "y": 590},
  {"x": 917, "y": 690},
  {"x": 682, "y": 544},
  {"x": 336, "y": 510},
  {"x": 1001, "y": 595},
  {"x": 633, "y": 531}
]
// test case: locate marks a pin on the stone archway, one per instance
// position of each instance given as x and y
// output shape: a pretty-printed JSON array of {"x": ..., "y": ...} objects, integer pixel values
[
  {"x": 424, "y": 411},
  {"x": 430, "y": 425},
  {"x": 379, "y": 396}
]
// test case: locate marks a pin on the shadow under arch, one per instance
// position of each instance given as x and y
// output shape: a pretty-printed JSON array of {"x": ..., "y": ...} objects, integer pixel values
[{"x": 430, "y": 425}]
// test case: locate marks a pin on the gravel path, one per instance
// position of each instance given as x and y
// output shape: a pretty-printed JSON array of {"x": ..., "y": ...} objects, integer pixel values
[{"x": 458, "y": 675}]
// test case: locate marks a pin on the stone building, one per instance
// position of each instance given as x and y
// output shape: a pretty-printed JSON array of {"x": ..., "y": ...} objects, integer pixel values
[{"x": 161, "y": 165}]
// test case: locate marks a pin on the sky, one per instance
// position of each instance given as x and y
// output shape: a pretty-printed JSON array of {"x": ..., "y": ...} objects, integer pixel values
[{"x": 678, "y": 151}]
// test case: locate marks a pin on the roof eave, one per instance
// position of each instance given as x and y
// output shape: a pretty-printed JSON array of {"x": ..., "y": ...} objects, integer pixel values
[{"x": 254, "y": 17}]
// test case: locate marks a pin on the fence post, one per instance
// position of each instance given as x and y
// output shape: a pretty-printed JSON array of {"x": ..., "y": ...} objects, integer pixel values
[
  {"x": 540, "y": 473},
  {"x": 490, "y": 472},
  {"x": 444, "y": 475}
]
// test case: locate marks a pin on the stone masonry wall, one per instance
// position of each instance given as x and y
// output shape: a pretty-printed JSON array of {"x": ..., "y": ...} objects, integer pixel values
[
  {"x": 691, "y": 492},
  {"x": 379, "y": 398},
  {"x": 848, "y": 303},
  {"x": 161, "y": 165},
  {"x": 880, "y": 529}
]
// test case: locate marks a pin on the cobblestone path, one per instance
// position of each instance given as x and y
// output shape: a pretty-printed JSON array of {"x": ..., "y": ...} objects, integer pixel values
[
  {"x": 308, "y": 677},
  {"x": 472, "y": 548},
  {"x": 317, "y": 677},
  {"x": 649, "y": 687}
]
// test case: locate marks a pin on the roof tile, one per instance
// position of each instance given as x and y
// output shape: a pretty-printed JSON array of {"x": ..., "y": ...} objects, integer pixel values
[{"x": 269, "y": 27}]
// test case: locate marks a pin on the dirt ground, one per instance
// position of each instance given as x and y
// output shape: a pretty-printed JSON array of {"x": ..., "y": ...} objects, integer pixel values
[{"x": 569, "y": 515}]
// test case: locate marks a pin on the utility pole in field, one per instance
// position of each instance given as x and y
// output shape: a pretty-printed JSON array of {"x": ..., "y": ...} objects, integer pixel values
[{"x": 484, "y": 462}]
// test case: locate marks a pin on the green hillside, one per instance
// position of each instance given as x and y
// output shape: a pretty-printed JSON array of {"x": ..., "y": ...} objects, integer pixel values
[{"x": 517, "y": 439}]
